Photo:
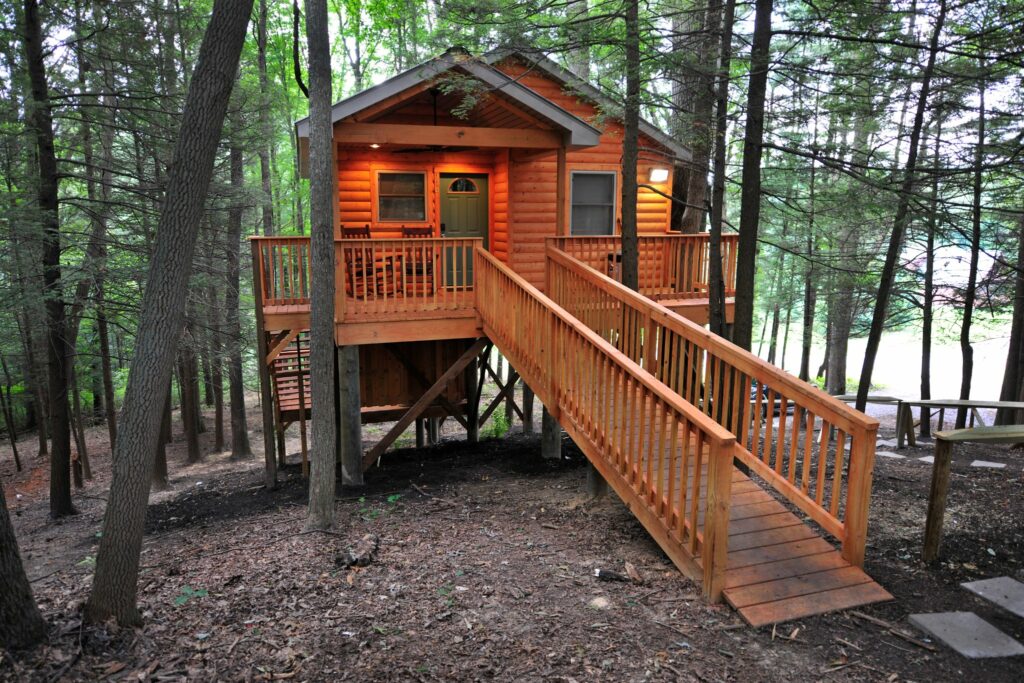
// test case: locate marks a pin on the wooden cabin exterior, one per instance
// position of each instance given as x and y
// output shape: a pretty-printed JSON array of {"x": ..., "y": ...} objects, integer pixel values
[
  {"x": 533, "y": 158},
  {"x": 489, "y": 214}
]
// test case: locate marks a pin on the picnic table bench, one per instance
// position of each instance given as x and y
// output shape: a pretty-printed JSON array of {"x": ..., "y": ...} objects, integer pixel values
[{"x": 944, "y": 441}]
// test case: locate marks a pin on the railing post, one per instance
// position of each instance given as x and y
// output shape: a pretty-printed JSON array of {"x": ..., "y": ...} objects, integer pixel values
[
  {"x": 339, "y": 283},
  {"x": 715, "y": 549},
  {"x": 858, "y": 494}
]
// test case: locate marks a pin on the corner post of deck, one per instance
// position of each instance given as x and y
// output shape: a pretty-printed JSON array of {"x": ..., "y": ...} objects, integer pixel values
[
  {"x": 715, "y": 548},
  {"x": 858, "y": 494},
  {"x": 470, "y": 378},
  {"x": 350, "y": 434},
  {"x": 550, "y": 436},
  {"x": 266, "y": 398}
]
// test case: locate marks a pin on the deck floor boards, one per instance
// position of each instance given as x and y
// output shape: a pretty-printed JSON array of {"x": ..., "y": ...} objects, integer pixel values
[{"x": 779, "y": 567}]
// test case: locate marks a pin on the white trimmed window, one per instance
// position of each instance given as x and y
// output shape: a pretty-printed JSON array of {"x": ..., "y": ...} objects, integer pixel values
[
  {"x": 593, "y": 203},
  {"x": 401, "y": 196}
]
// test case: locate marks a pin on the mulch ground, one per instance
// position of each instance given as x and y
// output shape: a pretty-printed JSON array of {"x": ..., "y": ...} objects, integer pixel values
[{"x": 485, "y": 571}]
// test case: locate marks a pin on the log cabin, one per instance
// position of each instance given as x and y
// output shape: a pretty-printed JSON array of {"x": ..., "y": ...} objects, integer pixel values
[{"x": 478, "y": 207}]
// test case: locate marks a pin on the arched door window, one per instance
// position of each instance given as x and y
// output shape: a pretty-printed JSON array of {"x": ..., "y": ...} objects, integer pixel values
[{"x": 462, "y": 186}]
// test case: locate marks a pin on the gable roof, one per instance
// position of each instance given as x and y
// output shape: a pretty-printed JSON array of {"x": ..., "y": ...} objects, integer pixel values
[
  {"x": 578, "y": 133},
  {"x": 586, "y": 90}
]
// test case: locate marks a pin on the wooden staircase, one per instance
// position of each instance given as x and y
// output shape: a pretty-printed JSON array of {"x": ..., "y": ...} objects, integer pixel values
[{"x": 653, "y": 399}]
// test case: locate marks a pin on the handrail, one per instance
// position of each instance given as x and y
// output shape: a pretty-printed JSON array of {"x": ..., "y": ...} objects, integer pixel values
[
  {"x": 375, "y": 279},
  {"x": 671, "y": 266},
  {"x": 731, "y": 385},
  {"x": 643, "y": 437}
]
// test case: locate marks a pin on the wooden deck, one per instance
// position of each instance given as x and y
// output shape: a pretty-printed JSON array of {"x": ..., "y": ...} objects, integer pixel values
[
  {"x": 652, "y": 402},
  {"x": 662, "y": 408},
  {"x": 779, "y": 568}
]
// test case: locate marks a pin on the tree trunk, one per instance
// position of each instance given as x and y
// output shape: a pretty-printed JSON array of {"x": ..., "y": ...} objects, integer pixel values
[
  {"x": 700, "y": 135},
  {"x": 8, "y": 410},
  {"x": 57, "y": 343},
  {"x": 115, "y": 589},
  {"x": 630, "y": 144},
  {"x": 928, "y": 304},
  {"x": 189, "y": 398},
  {"x": 266, "y": 136},
  {"x": 240, "y": 447},
  {"x": 321, "y": 327},
  {"x": 158, "y": 480},
  {"x": 716, "y": 288},
  {"x": 21, "y": 624},
  {"x": 970, "y": 295},
  {"x": 750, "y": 197},
  {"x": 1013, "y": 374},
  {"x": 900, "y": 222}
]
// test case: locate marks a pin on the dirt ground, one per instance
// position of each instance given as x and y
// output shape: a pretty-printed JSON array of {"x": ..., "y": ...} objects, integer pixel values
[{"x": 485, "y": 572}]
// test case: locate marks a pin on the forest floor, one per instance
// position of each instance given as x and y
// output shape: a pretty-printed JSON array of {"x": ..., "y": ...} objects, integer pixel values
[{"x": 485, "y": 571}]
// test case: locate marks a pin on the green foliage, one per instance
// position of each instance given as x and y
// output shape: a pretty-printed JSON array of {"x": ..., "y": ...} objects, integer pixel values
[
  {"x": 188, "y": 593},
  {"x": 498, "y": 426}
]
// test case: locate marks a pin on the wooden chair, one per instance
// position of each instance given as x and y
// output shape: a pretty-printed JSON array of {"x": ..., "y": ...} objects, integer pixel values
[
  {"x": 360, "y": 264},
  {"x": 418, "y": 266}
]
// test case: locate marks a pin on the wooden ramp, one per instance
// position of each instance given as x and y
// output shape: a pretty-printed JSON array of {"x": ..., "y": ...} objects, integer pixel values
[
  {"x": 658, "y": 408},
  {"x": 779, "y": 568}
]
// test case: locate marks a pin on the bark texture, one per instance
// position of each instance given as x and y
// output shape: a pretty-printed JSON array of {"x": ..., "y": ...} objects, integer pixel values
[
  {"x": 750, "y": 198},
  {"x": 321, "y": 325},
  {"x": 115, "y": 586},
  {"x": 58, "y": 348},
  {"x": 21, "y": 625}
]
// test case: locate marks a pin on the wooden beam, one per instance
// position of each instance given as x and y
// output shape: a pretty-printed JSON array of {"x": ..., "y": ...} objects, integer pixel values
[
  {"x": 280, "y": 343},
  {"x": 937, "y": 499},
  {"x": 350, "y": 419},
  {"x": 468, "y": 136},
  {"x": 423, "y": 402},
  {"x": 427, "y": 329},
  {"x": 561, "y": 185}
]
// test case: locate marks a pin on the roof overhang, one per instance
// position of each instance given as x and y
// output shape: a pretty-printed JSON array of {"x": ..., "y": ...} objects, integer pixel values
[
  {"x": 575, "y": 133},
  {"x": 588, "y": 91}
]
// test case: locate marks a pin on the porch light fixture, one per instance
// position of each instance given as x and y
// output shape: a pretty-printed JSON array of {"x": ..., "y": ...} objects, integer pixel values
[
  {"x": 658, "y": 175},
  {"x": 375, "y": 146}
]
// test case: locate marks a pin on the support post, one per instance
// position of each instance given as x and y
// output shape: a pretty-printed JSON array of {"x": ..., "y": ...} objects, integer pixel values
[
  {"x": 421, "y": 433},
  {"x": 469, "y": 380},
  {"x": 937, "y": 499},
  {"x": 433, "y": 430},
  {"x": 550, "y": 436},
  {"x": 350, "y": 419},
  {"x": 858, "y": 494},
  {"x": 266, "y": 399},
  {"x": 527, "y": 410}
]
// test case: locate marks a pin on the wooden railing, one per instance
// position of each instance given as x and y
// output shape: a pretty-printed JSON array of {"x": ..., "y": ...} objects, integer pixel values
[
  {"x": 670, "y": 266},
  {"x": 282, "y": 266},
  {"x": 648, "y": 443},
  {"x": 375, "y": 279},
  {"x": 812, "y": 448}
]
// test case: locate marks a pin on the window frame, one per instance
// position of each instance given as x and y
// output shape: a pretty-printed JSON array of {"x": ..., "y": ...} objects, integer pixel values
[
  {"x": 614, "y": 204},
  {"x": 380, "y": 195}
]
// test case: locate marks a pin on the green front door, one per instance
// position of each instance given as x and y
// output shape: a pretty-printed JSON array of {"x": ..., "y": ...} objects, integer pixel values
[{"x": 464, "y": 213}]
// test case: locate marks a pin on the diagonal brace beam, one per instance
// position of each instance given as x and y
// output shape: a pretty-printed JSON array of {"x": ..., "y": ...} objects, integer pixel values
[
  {"x": 424, "y": 384},
  {"x": 423, "y": 402}
]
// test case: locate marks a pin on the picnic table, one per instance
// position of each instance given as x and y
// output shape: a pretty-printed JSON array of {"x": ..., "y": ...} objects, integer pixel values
[
  {"x": 944, "y": 441},
  {"x": 905, "y": 416}
]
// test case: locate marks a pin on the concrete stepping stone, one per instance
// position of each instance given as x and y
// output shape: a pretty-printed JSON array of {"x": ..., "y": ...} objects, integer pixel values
[
  {"x": 968, "y": 634},
  {"x": 1003, "y": 591},
  {"x": 928, "y": 459},
  {"x": 988, "y": 463},
  {"x": 889, "y": 454}
]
